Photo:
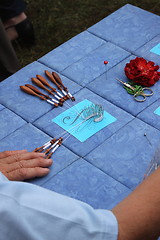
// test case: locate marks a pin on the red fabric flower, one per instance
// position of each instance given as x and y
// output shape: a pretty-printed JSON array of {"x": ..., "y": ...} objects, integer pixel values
[{"x": 142, "y": 72}]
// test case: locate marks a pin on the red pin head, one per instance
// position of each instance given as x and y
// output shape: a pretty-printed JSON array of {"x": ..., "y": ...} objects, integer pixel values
[{"x": 105, "y": 62}]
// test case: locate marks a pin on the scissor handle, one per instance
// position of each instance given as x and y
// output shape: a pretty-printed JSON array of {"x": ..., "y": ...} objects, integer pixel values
[
  {"x": 149, "y": 90},
  {"x": 142, "y": 97}
]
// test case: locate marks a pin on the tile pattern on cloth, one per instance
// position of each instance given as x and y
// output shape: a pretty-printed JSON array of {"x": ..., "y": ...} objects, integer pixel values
[
  {"x": 145, "y": 52},
  {"x": 83, "y": 181},
  {"x": 29, "y": 137},
  {"x": 92, "y": 65},
  {"x": 71, "y": 51},
  {"x": 1, "y": 107},
  {"x": 113, "y": 91},
  {"x": 45, "y": 124},
  {"x": 28, "y": 107},
  {"x": 9, "y": 122},
  {"x": 149, "y": 116},
  {"x": 127, "y": 154},
  {"x": 118, "y": 156},
  {"x": 129, "y": 27}
]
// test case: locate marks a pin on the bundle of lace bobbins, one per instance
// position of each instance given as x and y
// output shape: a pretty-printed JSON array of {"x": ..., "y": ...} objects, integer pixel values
[
  {"x": 58, "y": 98},
  {"x": 94, "y": 111},
  {"x": 50, "y": 147}
]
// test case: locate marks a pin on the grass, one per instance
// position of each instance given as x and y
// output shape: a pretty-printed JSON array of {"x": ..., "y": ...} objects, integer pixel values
[{"x": 57, "y": 21}]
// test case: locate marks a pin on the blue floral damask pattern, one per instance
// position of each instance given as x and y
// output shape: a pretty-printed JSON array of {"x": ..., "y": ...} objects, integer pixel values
[
  {"x": 9, "y": 122},
  {"x": 109, "y": 165},
  {"x": 45, "y": 124},
  {"x": 83, "y": 181},
  {"x": 71, "y": 51},
  {"x": 129, "y": 27},
  {"x": 127, "y": 154}
]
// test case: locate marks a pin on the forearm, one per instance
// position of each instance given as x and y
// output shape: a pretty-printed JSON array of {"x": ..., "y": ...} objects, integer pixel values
[{"x": 139, "y": 214}]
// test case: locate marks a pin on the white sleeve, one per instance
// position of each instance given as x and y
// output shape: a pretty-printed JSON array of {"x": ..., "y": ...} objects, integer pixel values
[{"x": 30, "y": 212}]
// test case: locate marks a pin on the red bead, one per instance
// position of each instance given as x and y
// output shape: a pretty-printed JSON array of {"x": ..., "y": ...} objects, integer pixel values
[{"x": 105, "y": 62}]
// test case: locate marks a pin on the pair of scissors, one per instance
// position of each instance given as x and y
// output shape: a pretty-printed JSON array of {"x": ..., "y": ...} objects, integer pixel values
[{"x": 140, "y": 94}]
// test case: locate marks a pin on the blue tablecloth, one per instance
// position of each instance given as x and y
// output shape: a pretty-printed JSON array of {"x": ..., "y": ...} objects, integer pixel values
[{"x": 105, "y": 168}]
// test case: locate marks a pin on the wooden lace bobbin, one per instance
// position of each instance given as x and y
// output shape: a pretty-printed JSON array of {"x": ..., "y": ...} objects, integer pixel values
[
  {"x": 41, "y": 85},
  {"x": 59, "y": 80},
  {"x": 52, "y": 143},
  {"x": 45, "y": 82},
  {"x": 49, "y": 75},
  {"x": 31, "y": 92},
  {"x": 44, "y": 146},
  {"x": 39, "y": 92},
  {"x": 39, "y": 149},
  {"x": 36, "y": 90},
  {"x": 57, "y": 144}
]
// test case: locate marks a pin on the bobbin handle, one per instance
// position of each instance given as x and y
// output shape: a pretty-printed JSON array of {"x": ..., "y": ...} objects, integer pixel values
[
  {"x": 36, "y": 90},
  {"x": 39, "y": 84},
  {"x": 58, "y": 79},
  {"x": 48, "y": 150},
  {"x": 39, "y": 149},
  {"x": 45, "y": 82},
  {"x": 49, "y": 155},
  {"x": 53, "y": 140},
  {"x": 51, "y": 77},
  {"x": 31, "y": 92}
]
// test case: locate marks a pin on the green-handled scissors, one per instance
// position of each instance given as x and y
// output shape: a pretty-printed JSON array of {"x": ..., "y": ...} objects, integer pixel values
[{"x": 139, "y": 91}]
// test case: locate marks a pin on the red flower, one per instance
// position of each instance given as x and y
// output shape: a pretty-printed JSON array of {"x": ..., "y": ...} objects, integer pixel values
[{"x": 142, "y": 72}]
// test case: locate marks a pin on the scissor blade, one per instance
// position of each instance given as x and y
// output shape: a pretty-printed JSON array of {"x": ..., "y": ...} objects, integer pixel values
[{"x": 126, "y": 84}]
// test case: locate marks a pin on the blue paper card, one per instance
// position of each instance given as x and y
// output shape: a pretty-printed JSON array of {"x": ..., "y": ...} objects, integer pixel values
[
  {"x": 80, "y": 128},
  {"x": 157, "y": 111},
  {"x": 156, "y": 49}
]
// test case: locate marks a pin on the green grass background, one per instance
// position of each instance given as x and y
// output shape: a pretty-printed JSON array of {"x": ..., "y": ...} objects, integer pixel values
[{"x": 57, "y": 21}]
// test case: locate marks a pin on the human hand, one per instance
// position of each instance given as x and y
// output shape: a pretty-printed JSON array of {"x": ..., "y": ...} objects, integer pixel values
[{"x": 20, "y": 165}]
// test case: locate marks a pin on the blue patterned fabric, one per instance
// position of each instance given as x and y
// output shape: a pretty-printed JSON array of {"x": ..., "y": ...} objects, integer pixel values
[
  {"x": 129, "y": 27},
  {"x": 127, "y": 154},
  {"x": 105, "y": 168},
  {"x": 1, "y": 107},
  {"x": 114, "y": 92},
  {"x": 45, "y": 124},
  {"x": 29, "y": 107},
  {"x": 71, "y": 51},
  {"x": 149, "y": 115},
  {"x": 147, "y": 52},
  {"x": 92, "y": 65},
  {"x": 83, "y": 181},
  {"x": 9, "y": 122}
]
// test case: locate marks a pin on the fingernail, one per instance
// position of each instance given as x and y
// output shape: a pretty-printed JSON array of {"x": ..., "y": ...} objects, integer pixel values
[{"x": 46, "y": 170}]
